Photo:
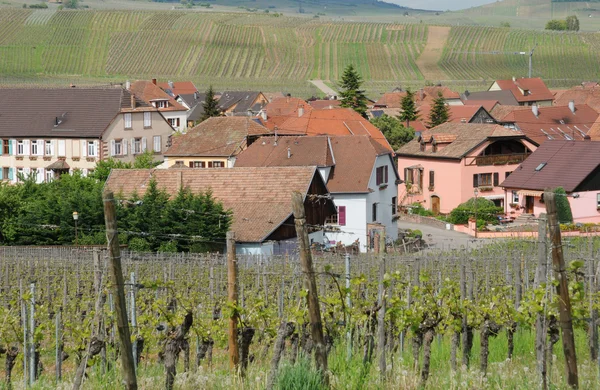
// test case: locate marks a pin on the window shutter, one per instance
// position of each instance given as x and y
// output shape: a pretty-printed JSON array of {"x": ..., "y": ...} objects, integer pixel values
[
  {"x": 84, "y": 172},
  {"x": 378, "y": 180},
  {"x": 52, "y": 147},
  {"x": 1, "y": 169},
  {"x": 191, "y": 164},
  {"x": 386, "y": 174},
  {"x": 133, "y": 146},
  {"x": 431, "y": 179},
  {"x": 177, "y": 122},
  {"x": 496, "y": 179},
  {"x": 61, "y": 148},
  {"x": 144, "y": 144},
  {"x": 96, "y": 148},
  {"x": 12, "y": 147},
  {"x": 26, "y": 172},
  {"x": 157, "y": 143},
  {"x": 342, "y": 215},
  {"x": 210, "y": 164},
  {"x": 475, "y": 180},
  {"x": 39, "y": 175},
  {"x": 112, "y": 147},
  {"x": 11, "y": 174},
  {"x": 1, "y": 149},
  {"x": 83, "y": 148},
  {"x": 41, "y": 145},
  {"x": 124, "y": 143},
  {"x": 26, "y": 147}
]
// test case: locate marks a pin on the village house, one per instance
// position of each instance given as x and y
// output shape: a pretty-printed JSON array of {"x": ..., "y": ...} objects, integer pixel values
[
  {"x": 259, "y": 199},
  {"x": 571, "y": 122},
  {"x": 572, "y": 165},
  {"x": 501, "y": 97},
  {"x": 359, "y": 172},
  {"x": 62, "y": 130},
  {"x": 214, "y": 143},
  {"x": 457, "y": 114},
  {"x": 425, "y": 95},
  {"x": 279, "y": 110},
  {"x": 527, "y": 91},
  {"x": 149, "y": 92},
  {"x": 242, "y": 103},
  {"x": 445, "y": 164},
  {"x": 178, "y": 88}
]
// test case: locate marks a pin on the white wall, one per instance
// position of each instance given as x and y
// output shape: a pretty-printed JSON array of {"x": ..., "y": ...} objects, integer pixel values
[
  {"x": 182, "y": 115},
  {"x": 382, "y": 195},
  {"x": 356, "y": 220}
]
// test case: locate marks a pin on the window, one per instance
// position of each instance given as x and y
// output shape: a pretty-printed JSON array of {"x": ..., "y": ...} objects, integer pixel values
[
  {"x": 34, "y": 148},
  {"x": 6, "y": 173},
  {"x": 20, "y": 148},
  {"x": 431, "y": 180},
  {"x": 507, "y": 174},
  {"x": 597, "y": 200},
  {"x": 157, "y": 143},
  {"x": 62, "y": 146},
  {"x": 174, "y": 122},
  {"x": 92, "y": 149},
  {"x": 127, "y": 120},
  {"x": 218, "y": 164},
  {"x": 338, "y": 218},
  {"x": 515, "y": 197},
  {"x": 5, "y": 147},
  {"x": 382, "y": 175},
  {"x": 147, "y": 119},
  {"x": 161, "y": 104},
  {"x": 136, "y": 145},
  {"x": 496, "y": 179},
  {"x": 49, "y": 176},
  {"x": 20, "y": 174},
  {"x": 49, "y": 148},
  {"x": 374, "y": 212},
  {"x": 408, "y": 176},
  {"x": 482, "y": 180},
  {"x": 118, "y": 150},
  {"x": 196, "y": 164},
  {"x": 394, "y": 205}
]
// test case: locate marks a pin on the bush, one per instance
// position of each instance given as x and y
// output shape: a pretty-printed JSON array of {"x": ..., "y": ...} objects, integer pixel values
[
  {"x": 39, "y": 6},
  {"x": 418, "y": 209},
  {"x": 565, "y": 216},
  {"x": 487, "y": 212},
  {"x": 138, "y": 244}
]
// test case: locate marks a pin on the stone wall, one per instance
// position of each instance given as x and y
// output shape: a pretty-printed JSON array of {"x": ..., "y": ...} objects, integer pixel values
[{"x": 429, "y": 221}]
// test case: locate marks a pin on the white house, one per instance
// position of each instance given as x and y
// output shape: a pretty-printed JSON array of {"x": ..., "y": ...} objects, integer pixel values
[{"x": 360, "y": 174}]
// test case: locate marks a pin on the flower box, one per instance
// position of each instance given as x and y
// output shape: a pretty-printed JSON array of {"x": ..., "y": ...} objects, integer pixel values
[
  {"x": 75, "y": 158},
  {"x": 33, "y": 158}
]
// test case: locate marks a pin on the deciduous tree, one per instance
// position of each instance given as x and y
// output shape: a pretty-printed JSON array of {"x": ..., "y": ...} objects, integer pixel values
[{"x": 394, "y": 131}]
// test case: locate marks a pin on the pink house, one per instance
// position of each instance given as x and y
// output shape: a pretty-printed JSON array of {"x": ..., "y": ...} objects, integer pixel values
[
  {"x": 444, "y": 165},
  {"x": 573, "y": 165}
]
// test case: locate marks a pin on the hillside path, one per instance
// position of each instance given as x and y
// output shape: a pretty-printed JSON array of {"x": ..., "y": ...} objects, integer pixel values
[
  {"x": 327, "y": 90},
  {"x": 432, "y": 53}
]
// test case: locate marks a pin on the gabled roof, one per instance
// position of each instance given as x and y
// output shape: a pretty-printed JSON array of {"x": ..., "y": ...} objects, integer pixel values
[
  {"x": 537, "y": 89},
  {"x": 281, "y": 109},
  {"x": 178, "y": 88},
  {"x": 425, "y": 95},
  {"x": 320, "y": 104},
  {"x": 260, "y": 198},
  {"x": 215, "y": 137},
  {"x": 272, "y": 151},
  {"x": 337, "y": 121},
  {"x": 149, "y": 92},
  {"x": 457, "y": 114},
  {"x": 505, "y": 98},
  {"x": 468, "y": 137},
  {"x": 500, "y": 111},
  {"x": 568, "y": 164},
  {"x": 580, "y": 95},
  {"x": 242, "y": 100},
  {"x": 556, "y": 122},
  {"x": 352, "y": 158},
  {"x": 79, "y": 112}
]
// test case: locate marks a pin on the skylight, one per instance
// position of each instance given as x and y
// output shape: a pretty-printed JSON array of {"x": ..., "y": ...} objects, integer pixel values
[{"x": 540, "y": 167}]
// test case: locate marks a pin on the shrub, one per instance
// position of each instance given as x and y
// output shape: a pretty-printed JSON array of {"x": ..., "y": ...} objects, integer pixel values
[
  {"x": 138, "y": 244},
  {"x": 418, "y": 209},
  {"x": 299, "y": 376},
  {"x": 487, "y": 212},
  {"x": 39, "y": 6},
  {"x": 565, "y": 216}
]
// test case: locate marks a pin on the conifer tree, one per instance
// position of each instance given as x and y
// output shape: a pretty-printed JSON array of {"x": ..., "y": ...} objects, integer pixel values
[
  {"x": 439, "y": 112},
  {"x": 210, "y": 105},
  {"x": 352, "y": 96},
  {"x": 409, "y": 112}
]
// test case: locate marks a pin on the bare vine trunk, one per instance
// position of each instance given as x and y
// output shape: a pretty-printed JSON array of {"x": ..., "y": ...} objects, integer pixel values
[
  {"x": 172, "y": 347},
  {"x": 510, "y": 334},
  {"x": 245, "y": 339},
  {"x": 286, "y": 329},
  {"x": 417, "y": 342},
  {"x": 11, "y": 359},
  {"x": 427, "y": 339},
  {"x": 454, "y": 350},
  {"x": 489, "y": 328}
]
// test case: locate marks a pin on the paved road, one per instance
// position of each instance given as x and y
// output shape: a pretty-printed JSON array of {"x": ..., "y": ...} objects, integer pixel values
[
  {"x": 324, "y": 87},
  {"x": 442, "y": 239}
]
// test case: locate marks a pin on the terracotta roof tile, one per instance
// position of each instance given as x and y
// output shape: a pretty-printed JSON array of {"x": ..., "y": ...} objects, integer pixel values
[
  {"x": 303, "y": 151},
  {"x": 568, "y": 164},
  {"x": 260, "y": 198},
  {"x": 505, "y": 98},
  {"x": 538, "y": 91},
  {"x": 426, "y": 95},
  {"x": 468, "y": 136},
  {"x": 216, "y": 137},
  {"x": 148, "y": 91},
  {"x": 579, "y": 95},
  {"x": 178, "y": 88},
  {"x": 323, "y": 104}
]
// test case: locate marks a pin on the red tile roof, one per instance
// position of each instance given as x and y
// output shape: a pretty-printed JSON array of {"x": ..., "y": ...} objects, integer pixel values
[
  {"x": 556, "y": 122},
  {"x": 568, "y": 164},
  {"x": 323, "y": 104},
  {"x": 281, "y": 109},
  {"x": 260, "y": 198},
  {"x": 148, "y": 92},
  {"x": 538, "y": 91},
  {"x": 179, "y": 87},
  {"x": 579, "y": 95},
  {"x": 337, "y": 121},
  {"x": 456, "y": 113},
  {"x": 273, "y": 152},
  {"x": 426, "y": 95},
  {"x": 216, "y": 137}
]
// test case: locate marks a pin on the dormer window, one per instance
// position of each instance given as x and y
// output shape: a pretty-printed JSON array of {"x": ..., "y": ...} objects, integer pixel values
[
  {"x": 160, "y": 103},
  {"x": 422, "y": 147}
]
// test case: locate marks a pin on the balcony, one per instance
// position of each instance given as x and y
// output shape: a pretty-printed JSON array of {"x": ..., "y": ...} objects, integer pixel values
[{"x": 499, "y": 159}]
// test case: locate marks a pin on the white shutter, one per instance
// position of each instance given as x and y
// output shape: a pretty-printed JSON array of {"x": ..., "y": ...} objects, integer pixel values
[
  {"x": 41, "y": 146},
  {"x": 83, "y": 148},
  {"x": 96, "y": 148},
  {"x": 84, "y": 172},
  {"x": 61, "y": 148},
  {"x": 133, "y": 146},
  {"x": 26, "y": 147},
  {"x": 124, "y": 144},
  {"x": 53, "y": 147},
  {"x": 39, "y": 175},
  {"x": 26, "y": 172},
  {"x": 14, "y": 146},
  {"x": 112, "y": 147},
  {"x": 143, "y": 144},
  {"x": 157, "y": 143}
]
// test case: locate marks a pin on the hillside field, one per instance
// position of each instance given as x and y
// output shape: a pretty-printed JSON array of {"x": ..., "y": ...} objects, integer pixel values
[{"x": 241, "y": 50}]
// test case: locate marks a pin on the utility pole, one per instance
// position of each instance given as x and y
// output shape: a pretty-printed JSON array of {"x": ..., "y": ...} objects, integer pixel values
[
  {"x": 562, "y": 290},
  {"x": 314, "y": 311},
  {"x": 232, "y": 297},
  {"x": 531, "y": 60},
  {"x": 118, "y": 291}
]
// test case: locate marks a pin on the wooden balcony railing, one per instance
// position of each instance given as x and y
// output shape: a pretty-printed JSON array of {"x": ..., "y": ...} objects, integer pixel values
[{"x": 500, "y": 159}]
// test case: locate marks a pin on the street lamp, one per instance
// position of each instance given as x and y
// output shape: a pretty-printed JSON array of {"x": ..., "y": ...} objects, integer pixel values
[
  {"x": 475, "y": 192},
  {"x": 75, "y": 218}
]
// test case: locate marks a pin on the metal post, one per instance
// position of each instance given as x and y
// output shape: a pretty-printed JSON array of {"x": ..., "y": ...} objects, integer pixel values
[
  {"x": 32, "y": 364},
  {"x": 476, "y": 193},
  {"x": 58, "y": 337},
  {"x": 133, "y": 319},
  {"x": 348, "y": 305},
  {"x": 25, "y": 338}
]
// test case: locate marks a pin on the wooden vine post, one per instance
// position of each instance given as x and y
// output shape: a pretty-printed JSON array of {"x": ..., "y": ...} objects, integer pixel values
[
  {"x": 562, "y": 289},
  {"x": 118, "y": 291},
  {"x": 381, "y": 314},
  {"x": 314, "y": 311},
  {"x": 540, "y": 321},
  {"x": 232, "y": 297}
]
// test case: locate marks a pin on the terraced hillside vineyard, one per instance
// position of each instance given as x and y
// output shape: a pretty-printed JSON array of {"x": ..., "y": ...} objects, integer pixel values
[{"x": 239, "y": 50}]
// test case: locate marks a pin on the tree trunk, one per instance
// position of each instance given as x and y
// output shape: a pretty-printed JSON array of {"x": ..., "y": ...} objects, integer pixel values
[
  {"x": 485, "y": 335},
  {"x": 173, "y": 346},
  {"x": 11, "y": 359},
  {"x": 417, "y": 342},
  {"x": 510, "y": 334},
  {"x": 185, "y": 347},
  {"x": 454, "y": 349},
  {"x": 203, "y": 349},
  {"x": 245, "y": 339},
  {"x": 428, "y": 338},
  {"x": 286, "y": 329}
]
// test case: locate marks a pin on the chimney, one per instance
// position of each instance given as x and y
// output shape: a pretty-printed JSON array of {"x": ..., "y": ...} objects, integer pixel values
[
  {"x": 572, "y": 106},
  {"x": 128, "y": 85},
  {"x": 535, "y": 110},
  {"x": 289, "y": 153},
  {"x": 133, "y": 101},
  {"x": 276, "y": 138},
  {"x": 263, "y": 115},
  {"x": 300, "y": 111},
  {"x": 421, "y": 94},
  {"x": 171, "y": 85},
  {"x": 154, "y": 81}
]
